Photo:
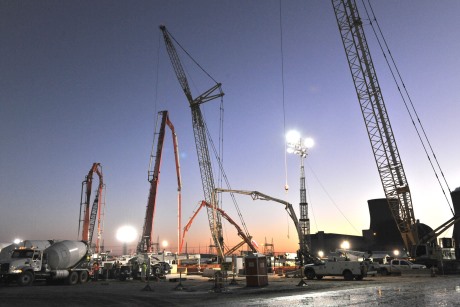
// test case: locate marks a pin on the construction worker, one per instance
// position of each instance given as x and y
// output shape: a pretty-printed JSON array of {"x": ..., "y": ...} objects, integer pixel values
[
  {"x": 95, "y": 271},
  {"x": 143, "y": 271}
]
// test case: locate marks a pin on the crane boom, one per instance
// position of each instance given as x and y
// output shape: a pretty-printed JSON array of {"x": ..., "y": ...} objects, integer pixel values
[
  {"x": 145, "y": 243},
  {"x": 375, "y": 116},
  {"x": 199, "y": 131},
  {"x": 245, "y": 239},
  {"x": 303, "y": 247},
  {"x": 90, "y": 217}
]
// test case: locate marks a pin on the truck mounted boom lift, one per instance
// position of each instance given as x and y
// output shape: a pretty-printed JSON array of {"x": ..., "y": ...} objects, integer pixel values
[
  {"x": 199, "y": 131},
  {"x": 145, "y": 243}
]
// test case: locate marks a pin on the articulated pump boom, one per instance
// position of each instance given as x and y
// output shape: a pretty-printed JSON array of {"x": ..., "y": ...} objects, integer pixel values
[
  {"x": 304, "y": 251},
  {"x": 89, "y": 219},
  {"x": 145, "y": 243}
]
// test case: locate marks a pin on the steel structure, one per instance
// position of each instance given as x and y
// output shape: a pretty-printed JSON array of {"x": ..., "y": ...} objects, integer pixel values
[
  {"x": 304, "y": 251},
  {"x": 199, "y": 131},
  {"x": 375, "y": 116},
  {"x": 145, "y": 244},
  {"x": 245, "y": 239},
  {"x": 304, "y": 221},
  {"x": 96, "y": 213},
  {"x": 300, "y": 149}
]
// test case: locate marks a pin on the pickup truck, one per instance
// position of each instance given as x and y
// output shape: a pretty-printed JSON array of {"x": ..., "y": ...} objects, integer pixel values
[
  {"x": 397, "y": 265},
  {"x": 348, "y": 269}
]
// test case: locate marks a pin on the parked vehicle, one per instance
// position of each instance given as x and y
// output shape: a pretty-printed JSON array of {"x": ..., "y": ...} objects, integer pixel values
[
  {"x": 348, "y": 269},
  {"x": 157, "y": 268},
  {"x": 395, "y": 266},
  {"x": 67, "y": 261}
]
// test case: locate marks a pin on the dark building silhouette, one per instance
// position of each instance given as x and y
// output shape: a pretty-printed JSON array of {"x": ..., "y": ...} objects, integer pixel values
[
  {"x": 383, "y": 233},
  {"x": 329, "y": 242},
  {"x": 456, "y": 232}
]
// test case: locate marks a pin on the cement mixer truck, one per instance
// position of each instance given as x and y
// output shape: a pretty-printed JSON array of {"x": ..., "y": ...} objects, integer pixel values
[{"x": 65, "y": 261}]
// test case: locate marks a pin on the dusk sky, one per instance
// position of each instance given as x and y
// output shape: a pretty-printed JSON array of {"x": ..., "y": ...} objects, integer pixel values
[{"x": 82, "y": 81}]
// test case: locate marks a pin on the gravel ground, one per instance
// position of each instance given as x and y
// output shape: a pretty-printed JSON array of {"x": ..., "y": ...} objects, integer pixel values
[{"x": 409, "y": 290}]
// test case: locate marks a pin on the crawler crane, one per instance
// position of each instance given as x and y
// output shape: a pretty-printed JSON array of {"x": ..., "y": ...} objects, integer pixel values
[
  {"x": 199, "y": 131},
  {"x": 380, "y": 134}
]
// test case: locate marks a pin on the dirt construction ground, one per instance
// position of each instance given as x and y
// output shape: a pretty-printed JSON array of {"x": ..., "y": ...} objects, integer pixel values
[{"x": 410, "y": 290}]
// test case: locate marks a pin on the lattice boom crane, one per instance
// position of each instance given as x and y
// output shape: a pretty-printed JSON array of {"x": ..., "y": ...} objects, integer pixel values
[
  {"x": 199, "y": 130},
  {"x": 375, "y": 116}
]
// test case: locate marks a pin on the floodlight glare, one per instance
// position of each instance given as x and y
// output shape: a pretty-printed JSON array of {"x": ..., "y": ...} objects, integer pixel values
[
  {"x": 293, "y": 137},
  {"x": 309, "y": 142},
  {"x": 345, "y": 245},
  {"x": 126, "y": 234}
]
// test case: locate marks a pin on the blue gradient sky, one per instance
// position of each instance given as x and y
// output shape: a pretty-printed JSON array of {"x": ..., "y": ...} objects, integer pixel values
[{"x": 81, "y": 82}]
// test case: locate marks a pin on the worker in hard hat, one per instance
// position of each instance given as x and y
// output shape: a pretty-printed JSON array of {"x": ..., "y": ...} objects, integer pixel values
[{"x": 95, "y": 271}]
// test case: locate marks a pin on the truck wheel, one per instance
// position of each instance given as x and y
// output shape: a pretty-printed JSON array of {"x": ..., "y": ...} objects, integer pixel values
[
  {"x": 73, "y": 278},
  {"x": 384, "y": 272},
  {"x": 348, "y": 275},
  {"x": 83, "y": 277},
  {"x": 156, "y": 270},
  {"x": 359, "y": 277},
  {"x": 319, "y": 277},
  {"x": 310, "y": 274},
  {"x": 25, "y": 278}
]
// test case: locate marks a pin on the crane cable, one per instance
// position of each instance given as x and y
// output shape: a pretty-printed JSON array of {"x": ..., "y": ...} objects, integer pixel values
[
  {"x": 217, "y": 153},
  {"x": 330, "y": 198},
  {"x": 405, "y": 102},
  {"x": 286, "y": 186},
  {"x": 194, "y": 61},
  {"x": 226, "y": 179}
]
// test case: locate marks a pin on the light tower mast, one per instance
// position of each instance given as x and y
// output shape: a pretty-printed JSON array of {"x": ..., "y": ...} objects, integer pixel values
[
  {"x": 304, "y": 221},
  {"x": 299, "y": 146}
]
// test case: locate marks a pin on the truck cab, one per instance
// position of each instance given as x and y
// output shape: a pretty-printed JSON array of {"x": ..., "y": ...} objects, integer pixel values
[{"x": 22, "y": 265}]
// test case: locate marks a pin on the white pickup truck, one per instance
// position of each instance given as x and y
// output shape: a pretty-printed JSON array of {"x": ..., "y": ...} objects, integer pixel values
[
  {"x": 396, "y": 266},
  {"x": 348, "y": 269}
]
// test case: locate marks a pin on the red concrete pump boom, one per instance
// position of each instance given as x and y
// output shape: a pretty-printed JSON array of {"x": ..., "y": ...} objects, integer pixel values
[
  {"x": 89, "y": 218},
  {"x": 145, "y": 243},
  {"x": 245, "y": 239}
]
